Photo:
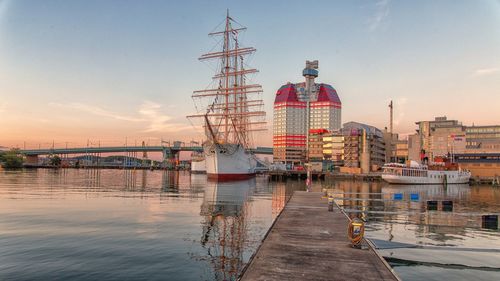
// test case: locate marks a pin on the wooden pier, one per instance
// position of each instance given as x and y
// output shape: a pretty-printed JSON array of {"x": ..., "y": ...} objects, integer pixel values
[
  {"x": 307, "y": 242},
  {"x": 375, "y": 176},
  {"x": 293, "y": 174}
]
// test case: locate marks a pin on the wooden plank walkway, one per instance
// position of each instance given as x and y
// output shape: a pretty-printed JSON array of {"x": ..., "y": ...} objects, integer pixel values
[{"x": 309, "y": 243}]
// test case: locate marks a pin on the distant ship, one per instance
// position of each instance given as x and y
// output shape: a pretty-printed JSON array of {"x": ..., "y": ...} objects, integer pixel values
[
  {"x": 232, "y": 112},
  {"x": 443, "y": 172}
]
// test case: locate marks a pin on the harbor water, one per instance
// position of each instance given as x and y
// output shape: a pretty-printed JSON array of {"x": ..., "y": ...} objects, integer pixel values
[{"x": 77, "y": 224}]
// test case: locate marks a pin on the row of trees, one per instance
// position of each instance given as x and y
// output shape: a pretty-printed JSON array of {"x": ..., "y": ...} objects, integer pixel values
[{"x": 12, "y": 159}]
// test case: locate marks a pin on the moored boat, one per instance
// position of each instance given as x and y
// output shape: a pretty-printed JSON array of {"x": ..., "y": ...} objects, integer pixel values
[{"x": 415, "y": 173}]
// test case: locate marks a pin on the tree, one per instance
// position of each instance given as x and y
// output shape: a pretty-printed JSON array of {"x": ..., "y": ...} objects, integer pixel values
[
  {"x": 11, "y": 160},
  {"x": 55, "y": 160}
]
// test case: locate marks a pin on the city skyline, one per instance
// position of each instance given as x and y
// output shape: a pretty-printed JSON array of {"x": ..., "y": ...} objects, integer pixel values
[{"x": 110, "y": 71}]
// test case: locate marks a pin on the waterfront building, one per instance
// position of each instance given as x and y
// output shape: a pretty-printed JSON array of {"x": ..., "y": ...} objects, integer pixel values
[
  {"x": 396, "y": 150},
  {"x": 390, "y": 146},
  {"x": 483, "y": 139},
  {"x": 484, "y": 166},
  {"x": 441, "y": 137},
  {"x": 299, "y": 108},
  {"x": 315, "y": 147},
  {"x": 364, "y": 147},
  {"x": 401, "y": 154},
  {"x": 414, "y": 148},
  {"x": 333, "y": 148},
  {"x": 352, "y": 148}
]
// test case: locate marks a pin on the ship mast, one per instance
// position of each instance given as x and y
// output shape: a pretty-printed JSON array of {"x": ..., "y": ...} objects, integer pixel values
[{"x": 233, "y": 111}]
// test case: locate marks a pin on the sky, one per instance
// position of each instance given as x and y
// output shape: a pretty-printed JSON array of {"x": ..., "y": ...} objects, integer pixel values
[{"x": 73, "y": 72}]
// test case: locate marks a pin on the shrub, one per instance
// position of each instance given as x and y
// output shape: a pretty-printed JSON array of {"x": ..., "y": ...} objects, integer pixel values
[{"x": 11, "y": 160}]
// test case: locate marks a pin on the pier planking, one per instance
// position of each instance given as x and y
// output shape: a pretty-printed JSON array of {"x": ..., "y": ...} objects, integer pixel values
[{"x": 309, "y": 243}]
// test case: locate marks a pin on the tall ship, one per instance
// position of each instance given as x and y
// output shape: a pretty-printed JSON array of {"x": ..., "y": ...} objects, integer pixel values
[
  {"x": 230, "y": 108},
  {"x": 198, "y": 163},
  {"x": 441, "y": 172}
]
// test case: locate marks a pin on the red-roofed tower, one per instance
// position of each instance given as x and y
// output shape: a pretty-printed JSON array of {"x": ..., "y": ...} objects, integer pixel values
[{"x": 301, "y": 107}]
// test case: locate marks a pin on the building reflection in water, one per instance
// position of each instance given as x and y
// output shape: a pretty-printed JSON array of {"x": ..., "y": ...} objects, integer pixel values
[
  {"x": 224, "y": 208},
  {"x": 170, "y": 181},
  {"x": 282, "y": 192}
]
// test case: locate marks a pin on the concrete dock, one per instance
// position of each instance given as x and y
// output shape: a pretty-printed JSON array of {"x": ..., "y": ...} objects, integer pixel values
[{"x": 309, "y": 243}]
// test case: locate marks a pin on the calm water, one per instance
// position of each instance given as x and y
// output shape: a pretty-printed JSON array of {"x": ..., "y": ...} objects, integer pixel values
[
  {"x": 130, "y": 225},
  {"x": 450, "y": 244},
  {"x": 143, "y": 225}
]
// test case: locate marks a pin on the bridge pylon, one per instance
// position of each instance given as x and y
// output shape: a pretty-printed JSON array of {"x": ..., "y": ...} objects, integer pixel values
[{"x": 170, "y": 158}]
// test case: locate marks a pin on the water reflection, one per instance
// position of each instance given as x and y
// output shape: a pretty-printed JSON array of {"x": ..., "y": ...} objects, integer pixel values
[
  {"x": 130, "y": 179},
  {"x": 224, "y": 234},
  {"x": 226, "y": 211},
  {"x": 130, "y": 224},
  {"x": 170, "y": 181},
  {"x": 375, "y": 201},
  {"x": 126, "y": 224},
  {"x": 282, "y": 192}
]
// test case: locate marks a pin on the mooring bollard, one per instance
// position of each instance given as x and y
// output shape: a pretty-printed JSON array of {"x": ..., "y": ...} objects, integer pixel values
[
  {"x": 447, "y": 206},
  {"x": 490, "y": 221},
  {"x": 330, "y": 203},
  {"x": 432, "y": 205}
]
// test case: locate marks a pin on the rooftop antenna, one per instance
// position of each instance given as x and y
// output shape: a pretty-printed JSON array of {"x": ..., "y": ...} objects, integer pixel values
[{"x": 390, "y": 122}]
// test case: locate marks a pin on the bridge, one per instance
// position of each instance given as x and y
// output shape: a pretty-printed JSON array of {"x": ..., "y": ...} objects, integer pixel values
[{"x": 169, "y": 152}]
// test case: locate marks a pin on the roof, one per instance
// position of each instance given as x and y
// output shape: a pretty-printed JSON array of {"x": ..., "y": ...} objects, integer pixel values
[
  {"x": 286, "y": 93},
  {"x": 360, "y": 126},
  {"x": 328, "y": 93}
]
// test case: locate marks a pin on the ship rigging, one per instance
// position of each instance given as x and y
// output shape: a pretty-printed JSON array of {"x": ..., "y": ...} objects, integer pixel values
[{"x": 234, "y": 110}]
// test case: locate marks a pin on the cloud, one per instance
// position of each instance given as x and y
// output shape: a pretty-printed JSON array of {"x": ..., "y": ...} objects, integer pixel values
[
  {"x": 382, "y": 11},
  {"x": 486, "y": 71},
  {"x": 96, "y": 110},
  {"x": 158, "y": 121},
  {"x": 148, "y": 112}
]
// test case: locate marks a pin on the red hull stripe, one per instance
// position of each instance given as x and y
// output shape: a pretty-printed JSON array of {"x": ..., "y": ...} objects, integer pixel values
[{"x": 230, "y": 177}]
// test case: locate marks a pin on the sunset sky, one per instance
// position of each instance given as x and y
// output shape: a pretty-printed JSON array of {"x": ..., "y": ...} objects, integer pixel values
[{"x": 107, "y": 71}]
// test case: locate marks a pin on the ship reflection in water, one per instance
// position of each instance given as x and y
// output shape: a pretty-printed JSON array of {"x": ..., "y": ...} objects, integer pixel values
[
  {"x": 227, "y": 212},
  {"x": 224, "y": 234},
  {"x": 420, "y": 241}
]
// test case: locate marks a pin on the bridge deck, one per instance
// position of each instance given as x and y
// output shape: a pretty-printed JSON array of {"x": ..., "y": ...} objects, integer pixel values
[
  {"x": 116, "y": 149},
  {"x": 309, "y": 243}
]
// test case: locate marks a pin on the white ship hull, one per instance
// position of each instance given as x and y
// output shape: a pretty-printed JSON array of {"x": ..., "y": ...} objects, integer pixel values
[
  {"x": 228, "y": 162},
  {"x": 432, "y": 177},
  {"x": 198, "y": 166}
]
